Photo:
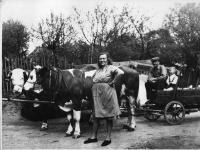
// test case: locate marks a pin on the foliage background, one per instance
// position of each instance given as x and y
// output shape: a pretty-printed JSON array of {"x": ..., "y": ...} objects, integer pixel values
[{"x": 125, "y": 34}]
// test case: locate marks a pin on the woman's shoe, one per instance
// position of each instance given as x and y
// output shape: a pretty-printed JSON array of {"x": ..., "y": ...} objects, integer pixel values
[
  {"x": 131, "y": 129},
  {"x": 89, "y": 140},
  {"x": 106, "y": 142}
]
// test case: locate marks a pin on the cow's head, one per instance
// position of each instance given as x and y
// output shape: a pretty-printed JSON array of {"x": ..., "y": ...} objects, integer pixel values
[
  {"x": 32, "y": 79},
  {"x": 42, "y": 76},
  {"x": 18, "y": 77}
]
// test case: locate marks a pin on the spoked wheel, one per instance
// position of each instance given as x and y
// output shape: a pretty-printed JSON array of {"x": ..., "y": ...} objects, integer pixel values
[
  {"x": 174, "y": 112},
  {"x": 151, "y": 116}
]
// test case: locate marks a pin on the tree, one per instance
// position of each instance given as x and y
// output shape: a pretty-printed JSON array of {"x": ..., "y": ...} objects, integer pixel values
[
  {"x": 123, "y": 48},
  {"x": 160, "y": 43},
  {"x": 103, "y": 28},
  {"x": 15, "y": 38},
  {"x": 54, "y": 33},
  {"x": 183, "y": 23},
  {"x": 94, "y": 27},
  {"x": 139, "y": 24},
  {"x": 132, "y": 26}
]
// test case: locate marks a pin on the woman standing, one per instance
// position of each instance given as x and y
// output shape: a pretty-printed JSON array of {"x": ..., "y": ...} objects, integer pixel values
[{"x": 104, "y": 97}]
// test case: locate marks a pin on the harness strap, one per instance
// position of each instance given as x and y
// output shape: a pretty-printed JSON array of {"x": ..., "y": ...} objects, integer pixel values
[
  {"x": 50, "y": 78},
  {"x": 30, "y": 82},
  {"x": 56, "y": 87},
  {"x": 20, "y": 85}
]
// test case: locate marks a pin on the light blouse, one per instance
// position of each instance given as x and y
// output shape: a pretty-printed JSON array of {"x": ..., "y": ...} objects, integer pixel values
[{"x": 106, "y": 74}]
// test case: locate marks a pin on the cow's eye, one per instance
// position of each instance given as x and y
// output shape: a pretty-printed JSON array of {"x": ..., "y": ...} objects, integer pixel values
[{"x": 31, "y": 77}]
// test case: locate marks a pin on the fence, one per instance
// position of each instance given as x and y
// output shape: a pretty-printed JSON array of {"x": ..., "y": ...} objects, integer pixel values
[
  {"x": 27, "y": 64},
  {"x": 9, "y": 64}
]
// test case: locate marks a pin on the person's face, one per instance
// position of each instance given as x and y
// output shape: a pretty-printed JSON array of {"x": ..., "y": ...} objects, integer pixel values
[
  {"x": 103, "y": 60},
  {"x": 172, "y": 71},
  {"x": 156, "y": 63}
]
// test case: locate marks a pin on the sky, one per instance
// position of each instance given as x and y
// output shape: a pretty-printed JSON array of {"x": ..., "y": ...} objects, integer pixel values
[{"x": 31, "y": 12}]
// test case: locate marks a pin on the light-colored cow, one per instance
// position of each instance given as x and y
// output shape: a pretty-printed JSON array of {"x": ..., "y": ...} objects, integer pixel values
[{"x": 18, "y": 78}]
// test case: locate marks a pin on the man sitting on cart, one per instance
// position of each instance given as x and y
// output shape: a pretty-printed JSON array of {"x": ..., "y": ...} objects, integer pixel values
[{"x": 156, "y": 78}]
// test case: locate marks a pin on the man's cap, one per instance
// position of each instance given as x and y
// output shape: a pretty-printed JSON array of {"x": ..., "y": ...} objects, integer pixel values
[{"x": 155, "y": 59}]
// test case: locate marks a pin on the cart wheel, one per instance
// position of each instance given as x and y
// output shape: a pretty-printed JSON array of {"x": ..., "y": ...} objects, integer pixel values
[
  {"x": 174, "y": 112},
  {"x": 151, "y": 117}
]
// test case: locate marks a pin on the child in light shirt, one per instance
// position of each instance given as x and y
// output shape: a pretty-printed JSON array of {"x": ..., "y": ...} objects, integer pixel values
[{"x": 172, "y": 79}]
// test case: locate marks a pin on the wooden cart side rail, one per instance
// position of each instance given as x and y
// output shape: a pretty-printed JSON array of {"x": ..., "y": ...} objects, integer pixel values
[
  {"x": 67, "y": 104},
  {"x": 27, "y": 101}
]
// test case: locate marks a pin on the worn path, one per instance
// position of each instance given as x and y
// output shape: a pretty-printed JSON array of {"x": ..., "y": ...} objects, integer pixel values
[{"x": 18, "y": 133}]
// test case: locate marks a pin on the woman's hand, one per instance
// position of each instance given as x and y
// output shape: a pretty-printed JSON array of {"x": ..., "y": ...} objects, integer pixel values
[{"x": 112, "y": 84}]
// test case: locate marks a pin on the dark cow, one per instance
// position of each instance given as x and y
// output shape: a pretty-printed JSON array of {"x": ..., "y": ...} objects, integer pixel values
[{"x": 63, "y": 86}]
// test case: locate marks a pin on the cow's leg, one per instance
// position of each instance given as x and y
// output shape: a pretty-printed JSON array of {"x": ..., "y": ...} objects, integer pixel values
[
  {"x": 70, "y": 128},
  {"x": 44, "y": 124},
  {"x": 77, "y": 117},
  {"x": 43, "y": 109},
  {"x": 68, "y": 109},
  {"x": 131, "y": 109}
]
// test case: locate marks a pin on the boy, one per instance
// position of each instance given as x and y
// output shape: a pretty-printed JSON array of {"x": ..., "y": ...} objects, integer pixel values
[{"x": 172, "y": 79}]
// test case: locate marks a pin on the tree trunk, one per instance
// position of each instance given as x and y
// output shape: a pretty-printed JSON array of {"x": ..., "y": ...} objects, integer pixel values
[
  {"x": 91, "y": 56},
  {"x": 55, "y": 61}
]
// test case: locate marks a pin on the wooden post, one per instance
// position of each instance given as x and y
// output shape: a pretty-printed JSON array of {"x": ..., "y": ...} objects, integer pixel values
[{"x": 6, "y": 72}]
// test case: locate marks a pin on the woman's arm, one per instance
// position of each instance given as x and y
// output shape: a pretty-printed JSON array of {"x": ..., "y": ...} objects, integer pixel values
[{"x": 116, "y": 72}]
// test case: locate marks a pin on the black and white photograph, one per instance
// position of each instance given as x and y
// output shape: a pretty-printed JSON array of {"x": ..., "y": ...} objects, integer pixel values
[{"x": 100, "y": 74}]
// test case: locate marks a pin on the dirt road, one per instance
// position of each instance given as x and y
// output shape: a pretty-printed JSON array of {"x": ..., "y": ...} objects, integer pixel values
[{"x": 19, "y": 133}]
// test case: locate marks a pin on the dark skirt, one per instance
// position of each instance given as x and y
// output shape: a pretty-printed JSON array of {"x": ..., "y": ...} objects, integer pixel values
[{"x": 105, "y": 101}]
